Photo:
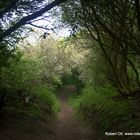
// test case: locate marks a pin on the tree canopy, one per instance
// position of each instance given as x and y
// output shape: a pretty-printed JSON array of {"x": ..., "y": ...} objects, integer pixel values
[
  {"x": 17, "y": 13},
  {"x": 99, "y": 60}
]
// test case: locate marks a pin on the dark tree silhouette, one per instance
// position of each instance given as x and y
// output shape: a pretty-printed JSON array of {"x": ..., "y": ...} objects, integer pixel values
[{"x": 25, "y": 19}]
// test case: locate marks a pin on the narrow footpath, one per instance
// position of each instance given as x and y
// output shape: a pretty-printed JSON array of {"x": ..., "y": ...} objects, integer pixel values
[{"x": 68, "y": 127}]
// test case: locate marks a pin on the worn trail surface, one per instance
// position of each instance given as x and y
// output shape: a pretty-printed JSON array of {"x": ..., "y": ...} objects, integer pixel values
[{"x": 66, "y": 127}]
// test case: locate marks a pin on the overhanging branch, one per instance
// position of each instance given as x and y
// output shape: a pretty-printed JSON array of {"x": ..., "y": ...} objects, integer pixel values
[{"x": 24, "y": 20}]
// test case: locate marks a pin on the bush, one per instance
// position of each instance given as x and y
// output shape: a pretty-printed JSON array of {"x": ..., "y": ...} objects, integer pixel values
[
  {"x": 46, "y": 96},
  {"x": 99, "y": 109},
  {"x": 41, "y": 103}
]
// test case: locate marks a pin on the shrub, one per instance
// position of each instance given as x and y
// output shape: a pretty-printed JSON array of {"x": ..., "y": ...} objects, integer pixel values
[
  {"x": 42, "y": 103},
  {"x": 98, "y": 108}
]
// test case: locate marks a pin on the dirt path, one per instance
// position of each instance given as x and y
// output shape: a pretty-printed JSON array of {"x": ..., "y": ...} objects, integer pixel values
[{"x": 66, "y": 127}]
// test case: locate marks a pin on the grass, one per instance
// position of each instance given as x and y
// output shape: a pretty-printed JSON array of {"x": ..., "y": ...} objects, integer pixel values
[
  {"x": 42, "y": 104},
  {"x": 44, "y": 95},
  {"x": 99, "y": 109}
]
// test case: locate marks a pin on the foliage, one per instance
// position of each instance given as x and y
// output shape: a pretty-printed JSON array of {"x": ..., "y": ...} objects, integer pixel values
[
  {"x": 117, "y": 37},
  {"x": 47, "y": 96},
  {"x": 42, "y": 103},
  {"x": 100, "y": 109},
  {"x": 37, "y": 75},
  {"x": 26, "y": 94},
  {"x": 14, "y": 14},
  {"x": 23, "y": 84}
]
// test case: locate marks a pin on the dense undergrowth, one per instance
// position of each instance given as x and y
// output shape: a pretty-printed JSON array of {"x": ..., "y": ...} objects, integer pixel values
[
  {"x": 31, "y": 80},
  {"x": 38, "y": 102},
  {"x": 102, "y": 111},
  {"x": 25, "y": 90}
]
